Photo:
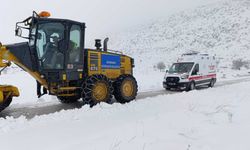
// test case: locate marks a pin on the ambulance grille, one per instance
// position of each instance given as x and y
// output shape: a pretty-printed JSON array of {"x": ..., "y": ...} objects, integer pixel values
[{"x": 173, "y": 79}]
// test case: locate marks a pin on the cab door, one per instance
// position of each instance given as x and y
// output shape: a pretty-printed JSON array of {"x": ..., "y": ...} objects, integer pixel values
[
  {"x": 74, "y": 62},
  {"x": 195, "y": 75}
]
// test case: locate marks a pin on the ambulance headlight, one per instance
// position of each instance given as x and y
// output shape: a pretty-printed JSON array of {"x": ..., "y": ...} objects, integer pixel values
[{"x": 184, "y": 76}]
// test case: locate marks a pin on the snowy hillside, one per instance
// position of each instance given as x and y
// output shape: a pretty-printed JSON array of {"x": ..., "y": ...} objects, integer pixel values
[{"x": 222, "y": 28}]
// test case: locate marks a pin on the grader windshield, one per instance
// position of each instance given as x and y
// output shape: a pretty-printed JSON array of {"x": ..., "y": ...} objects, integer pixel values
[
  {"x": 45, "y": 38},
  {"x": 48, "y": 39}
]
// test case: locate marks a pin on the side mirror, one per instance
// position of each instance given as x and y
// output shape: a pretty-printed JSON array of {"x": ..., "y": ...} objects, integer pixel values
[
  {"x": 195, "y": 72},
  {"x": 18, "y": 32},
  {"x": 166, "y": 71}
]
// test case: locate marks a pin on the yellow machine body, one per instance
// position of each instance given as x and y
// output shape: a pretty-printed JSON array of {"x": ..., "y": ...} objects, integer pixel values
[
  {"x": 8, "y": 91},
  {"x": 109, "y": 64}
]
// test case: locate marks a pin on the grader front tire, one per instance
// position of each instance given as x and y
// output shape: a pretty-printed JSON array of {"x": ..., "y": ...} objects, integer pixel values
[{"x": 96, "y": 89}]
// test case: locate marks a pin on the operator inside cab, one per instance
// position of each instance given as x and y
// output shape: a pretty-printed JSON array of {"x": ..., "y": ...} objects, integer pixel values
[
  {"x": 53, "y": 58},
  {"x": 48, "y": 43}
]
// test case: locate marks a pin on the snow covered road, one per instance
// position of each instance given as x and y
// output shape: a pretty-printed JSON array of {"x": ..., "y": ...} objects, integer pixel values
[
  {"x": 44, "y": 108},
  {"x": 212, "y": 119}
]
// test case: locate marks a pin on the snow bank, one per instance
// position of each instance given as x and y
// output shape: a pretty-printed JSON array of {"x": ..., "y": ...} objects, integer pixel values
[{"x": 198, "y": 120}]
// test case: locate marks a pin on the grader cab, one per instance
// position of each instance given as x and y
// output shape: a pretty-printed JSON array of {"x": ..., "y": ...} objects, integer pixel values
[{"x": 55, "y": 55}]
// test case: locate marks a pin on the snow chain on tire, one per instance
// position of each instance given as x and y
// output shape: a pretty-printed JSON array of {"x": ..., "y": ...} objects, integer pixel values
[{"x": 89, "y": 86}]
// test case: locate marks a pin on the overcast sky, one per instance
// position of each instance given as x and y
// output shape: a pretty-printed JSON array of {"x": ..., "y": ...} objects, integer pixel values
[{"x": 100, "y": 16}]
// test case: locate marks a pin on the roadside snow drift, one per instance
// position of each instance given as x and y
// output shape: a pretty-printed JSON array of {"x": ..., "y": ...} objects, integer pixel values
[{"x": 211, "y": 119}]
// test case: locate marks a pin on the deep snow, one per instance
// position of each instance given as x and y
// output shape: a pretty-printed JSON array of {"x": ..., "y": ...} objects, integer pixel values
[{"x": 197, "y": 120}]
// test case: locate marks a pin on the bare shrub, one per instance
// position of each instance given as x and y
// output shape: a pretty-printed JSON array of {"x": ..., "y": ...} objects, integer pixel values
[
  {"x": 161, "y": 66},
  {"x": 239, "y": 63}
]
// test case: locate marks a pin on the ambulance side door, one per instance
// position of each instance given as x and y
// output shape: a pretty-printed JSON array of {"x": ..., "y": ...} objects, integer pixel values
[{"x": 196, "y": 73}]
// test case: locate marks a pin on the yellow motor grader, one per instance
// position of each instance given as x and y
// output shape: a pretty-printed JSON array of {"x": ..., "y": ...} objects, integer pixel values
[{"x": 55, "y": 55}]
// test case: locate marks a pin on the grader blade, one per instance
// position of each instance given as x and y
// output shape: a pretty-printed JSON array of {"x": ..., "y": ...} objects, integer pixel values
[{"x": 6, "y": 91}]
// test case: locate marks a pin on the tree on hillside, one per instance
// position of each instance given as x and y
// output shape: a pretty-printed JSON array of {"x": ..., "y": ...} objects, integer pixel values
[
  {"x": 239, "y": 63},
  {"x": 161, "y": 66}
]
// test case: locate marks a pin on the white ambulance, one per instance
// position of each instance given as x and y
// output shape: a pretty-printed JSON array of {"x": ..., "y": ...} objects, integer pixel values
[{"x": 190, "y": 71}]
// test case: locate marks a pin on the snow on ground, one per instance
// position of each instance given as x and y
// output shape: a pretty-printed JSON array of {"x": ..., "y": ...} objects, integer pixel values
[{"x": 198, "y": 120}]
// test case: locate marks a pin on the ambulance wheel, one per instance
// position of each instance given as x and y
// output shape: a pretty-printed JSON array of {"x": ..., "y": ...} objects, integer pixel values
[
  {"x": 212, "y": 82},
  {"x": 191, "y": 86},
  {"x": 125, "y": 88},
  {"x": 5, "y": 104},
  {"x": 96, "y": 89}
]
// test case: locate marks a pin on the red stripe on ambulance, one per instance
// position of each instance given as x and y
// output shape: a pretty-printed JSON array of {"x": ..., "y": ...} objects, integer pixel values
[{"x": 202, "y": 77}]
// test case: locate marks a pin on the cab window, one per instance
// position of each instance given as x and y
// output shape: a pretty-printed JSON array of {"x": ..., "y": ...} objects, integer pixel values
[
  {"x": 75, "y": 44},
  {"x": 195, "y": 70},
  {"x": 49, "y": 35}
]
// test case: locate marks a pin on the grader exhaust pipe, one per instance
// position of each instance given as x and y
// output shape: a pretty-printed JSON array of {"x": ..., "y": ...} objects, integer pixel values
[{"x": 98, "y": 44}]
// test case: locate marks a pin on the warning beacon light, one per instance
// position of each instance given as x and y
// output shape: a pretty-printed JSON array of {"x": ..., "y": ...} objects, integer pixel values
[{"x": 44, "y": 14}]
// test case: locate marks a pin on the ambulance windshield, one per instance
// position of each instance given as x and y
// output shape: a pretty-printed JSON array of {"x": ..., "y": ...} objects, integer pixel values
[{"x": 181, "y": 68}]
